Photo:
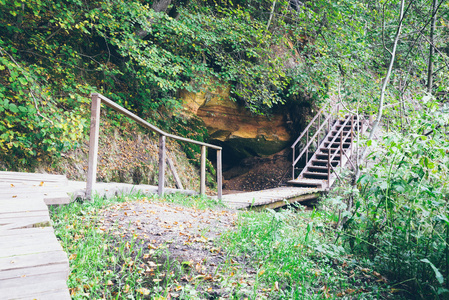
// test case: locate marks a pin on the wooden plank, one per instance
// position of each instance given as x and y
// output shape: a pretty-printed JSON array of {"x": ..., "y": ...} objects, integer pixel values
[
  {"x": 31, "y": 249},
  {"x": 161, "y": 180},
  {"x": 32, "y": 286},
  {"x": 31, "y": 238},
  {"x": 7, "y": 175},
  {"x": 93, "y": 145},
  {"x": 33, "y": 189},
  {"x": 62, "y": 269},
  {"x": 49, "y": 198},
  {"x": 31, "y": 222},
  {"x": 5, "y": 217},
  {"x": 57, "y": 199},
  {"x": 25, "y": 231},
  {"x": 33, "y": 260},
  {"x": 282, "y": 203},
  {"x": 7, "y": 207},
  {"x": 62, "y": 294}
]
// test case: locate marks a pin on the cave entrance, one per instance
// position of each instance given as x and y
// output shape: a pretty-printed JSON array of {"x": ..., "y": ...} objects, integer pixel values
[{"x": 246, "y": 171}]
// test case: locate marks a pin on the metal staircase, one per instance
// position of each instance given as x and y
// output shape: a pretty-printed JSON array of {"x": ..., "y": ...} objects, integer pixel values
[{"x": 331, "y": 148}]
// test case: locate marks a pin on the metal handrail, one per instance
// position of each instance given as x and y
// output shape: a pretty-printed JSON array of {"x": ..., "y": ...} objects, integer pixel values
[
  {"x": 308, "y": 126},
  {"x": 331, "y": 158},
  {"x": 335, "y": 137},
  {"x": 97, "y": 99},
  {"x": 306, "y": 147}
]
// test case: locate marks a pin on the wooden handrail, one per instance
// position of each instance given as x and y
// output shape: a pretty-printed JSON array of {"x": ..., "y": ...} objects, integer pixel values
[
  {"x": 97, "y": 99},
  {"x": 124, "y": 111}
]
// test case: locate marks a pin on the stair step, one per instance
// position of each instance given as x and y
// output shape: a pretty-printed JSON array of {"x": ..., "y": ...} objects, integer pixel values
[
  {"x": 323, "y": 162},
  {"x": 317, "y": 168},
  {"x": 346, "y": 128},
  {"x": 314, "y": 175},
  {"x": 337, "y": 140},
  {"x": 333, "y": 132},
  {"x": 326, "y": 150},
  {"x": 325, "y": 156},
  {"x": 337, "y": 145},
  {"x": 305, "y": 182}
]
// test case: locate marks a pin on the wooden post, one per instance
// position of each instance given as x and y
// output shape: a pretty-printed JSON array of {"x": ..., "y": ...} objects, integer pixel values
[
  {"x": 160, "y": 188},
  {"x": 219, "y": 175},
  {"x": 93, "y": 145},
  {"x": 172, "y": 168},
  {"x": 203, "y": 171}
]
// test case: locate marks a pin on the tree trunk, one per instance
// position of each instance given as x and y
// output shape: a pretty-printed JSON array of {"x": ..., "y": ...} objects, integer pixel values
[
  {"x": 386, "y": 80},
  {"x": 161, "y": 5},
  {"x": 431, "y": 47},
  {"x": 158, "y": 6},
  {"x": 271, "y": 14}
]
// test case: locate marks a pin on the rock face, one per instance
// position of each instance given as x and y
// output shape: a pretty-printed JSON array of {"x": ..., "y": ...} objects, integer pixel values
[{"x": 234, "y": 127}]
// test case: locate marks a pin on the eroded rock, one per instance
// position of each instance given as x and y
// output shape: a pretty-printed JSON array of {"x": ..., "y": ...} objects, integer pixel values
[{"x": 235, "y": 127}]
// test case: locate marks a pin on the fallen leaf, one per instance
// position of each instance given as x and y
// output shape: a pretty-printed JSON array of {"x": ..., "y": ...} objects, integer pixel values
[
  {"x": 41, "y": 184},
  {"x": 349, "y": 291},
  {"x": 144, "y": 291}
]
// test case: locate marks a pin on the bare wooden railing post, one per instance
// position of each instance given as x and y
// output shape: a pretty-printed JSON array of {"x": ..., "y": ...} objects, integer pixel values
[
  {"x": 160, "y": 188},
  {"x": 93, "y": 145},
  {"x": 219, "y": 175},
  {"x": 203, "y": 171}
]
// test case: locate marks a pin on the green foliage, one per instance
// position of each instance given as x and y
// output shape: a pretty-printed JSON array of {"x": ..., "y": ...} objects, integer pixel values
[
  {"x": 54, "y": 54},
  {"x": 399, "y": 219},
  {"x": 296, "y": 250}
]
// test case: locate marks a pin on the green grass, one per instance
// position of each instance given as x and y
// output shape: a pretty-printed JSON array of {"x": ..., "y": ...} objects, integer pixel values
[
  {"x": 286, "y": 254},
  {"x": 295, "y": 257}
]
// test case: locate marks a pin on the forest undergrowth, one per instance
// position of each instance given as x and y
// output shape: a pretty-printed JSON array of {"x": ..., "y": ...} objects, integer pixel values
[{"x": 286, "y": 254}]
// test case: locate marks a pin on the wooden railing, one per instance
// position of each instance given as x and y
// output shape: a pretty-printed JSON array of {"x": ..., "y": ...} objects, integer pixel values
[
  {"x": 97, "y": 100},
  {"x": 320, "y": 131}
]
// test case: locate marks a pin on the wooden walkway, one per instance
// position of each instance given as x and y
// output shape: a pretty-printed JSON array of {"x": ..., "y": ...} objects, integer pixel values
[
  {"x": 33, "y": 264},
  {"x": 271, "y": 198}
]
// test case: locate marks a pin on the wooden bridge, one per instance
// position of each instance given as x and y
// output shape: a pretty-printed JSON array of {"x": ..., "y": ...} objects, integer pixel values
[{"x": 33, "y": 264}]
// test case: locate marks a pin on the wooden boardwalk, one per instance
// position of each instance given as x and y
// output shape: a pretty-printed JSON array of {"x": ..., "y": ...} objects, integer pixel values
[
  {"x": 271, "y": 198},
  {"x": 33, "y": 264}
]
